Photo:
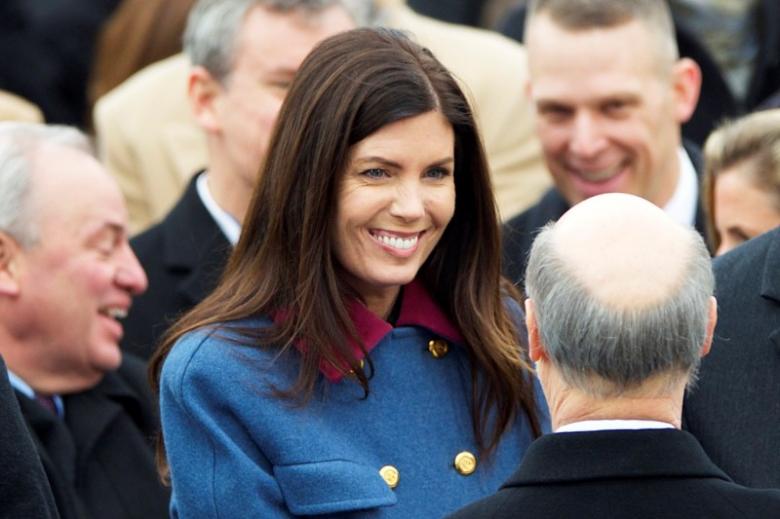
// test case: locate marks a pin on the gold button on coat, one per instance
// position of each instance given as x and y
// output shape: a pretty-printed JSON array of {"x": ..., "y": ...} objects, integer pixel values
[
  {"x": 465, "y": 463},
  {"x": 390, "y": 475},
  {"x": 438, "y": 348}
]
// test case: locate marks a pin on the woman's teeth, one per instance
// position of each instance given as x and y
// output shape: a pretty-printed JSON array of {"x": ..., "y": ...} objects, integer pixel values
[{"x": 396, "y": 242}]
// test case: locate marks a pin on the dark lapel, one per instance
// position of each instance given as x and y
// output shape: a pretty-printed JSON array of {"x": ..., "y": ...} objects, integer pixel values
[
  {"x": 193, "y": 243},
  {"x": 694, "y": 153},
  {"x": 52, "y": 435},
  {"x": 770, "y": 282},
  {"x": 57, "y": 452},
  {"x": 89, "y": 414},
  {"x": 582, "y": 456}
]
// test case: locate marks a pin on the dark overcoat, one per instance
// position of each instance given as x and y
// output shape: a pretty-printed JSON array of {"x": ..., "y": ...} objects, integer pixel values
[
  {"x": 99, "y": 458},
  {"x": 735, "y": 409},
  {"x": 642, "y": 474}
]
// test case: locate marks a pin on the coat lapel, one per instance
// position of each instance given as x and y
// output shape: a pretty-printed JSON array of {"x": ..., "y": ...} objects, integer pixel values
[
  {"x": 770, "y": 284},
  {"x": 52, "y": 435},
  {"x": 90, "y": 414},
  {"x": 194, "y": 245}
]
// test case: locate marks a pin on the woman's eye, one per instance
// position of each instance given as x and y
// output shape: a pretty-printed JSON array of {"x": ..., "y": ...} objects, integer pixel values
[
  {"x": 375, "y": 173},
  {"x": 437, "y": 173}
]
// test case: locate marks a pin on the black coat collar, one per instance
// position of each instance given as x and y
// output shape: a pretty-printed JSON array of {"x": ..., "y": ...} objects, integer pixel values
[
  {"x": 580, "y": 456},
  {"x": 194, "y": 244}
]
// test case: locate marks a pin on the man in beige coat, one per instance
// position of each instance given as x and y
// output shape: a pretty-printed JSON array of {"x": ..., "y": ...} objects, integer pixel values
[{"x": 150, "y": 141}]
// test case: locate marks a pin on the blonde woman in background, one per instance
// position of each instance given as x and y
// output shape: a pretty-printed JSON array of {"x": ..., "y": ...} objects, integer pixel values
[{"x": 742, "y": 179}]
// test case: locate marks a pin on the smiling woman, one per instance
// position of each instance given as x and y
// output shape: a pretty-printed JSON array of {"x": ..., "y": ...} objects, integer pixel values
[{"x": 362, "y": 352}]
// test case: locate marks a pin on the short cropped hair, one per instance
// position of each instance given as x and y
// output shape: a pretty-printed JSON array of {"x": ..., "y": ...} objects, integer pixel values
[
  {"x": 213, "y": 26},
  {"x": 752, "y": 140},
  {"x": 578, "y": 15},
  {"x": 606, "y": 351},
  {"x": 18, "y": 144}
]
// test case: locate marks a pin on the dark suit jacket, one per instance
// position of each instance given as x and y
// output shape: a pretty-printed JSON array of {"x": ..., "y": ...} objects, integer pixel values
[
  {"x": 183, "y": 257},
  {"x": 100, "y": 458},
  {"x": 621, "y": 474},
  {"x": 716, "y": 100},
  {"x": 519, "y": 232},
  {"x": 24, "y": 489},
  {"x": 735, "y": 410}
]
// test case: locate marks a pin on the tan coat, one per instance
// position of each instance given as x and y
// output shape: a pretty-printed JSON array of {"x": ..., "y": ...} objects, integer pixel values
[
  {"x": 148, "y": 138},
  {"x": 15, "y": 108},
  {"x": 150, "y": 141}
]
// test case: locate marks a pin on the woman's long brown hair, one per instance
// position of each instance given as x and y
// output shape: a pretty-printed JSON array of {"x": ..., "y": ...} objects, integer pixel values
[{"x": 349, "y": 87}]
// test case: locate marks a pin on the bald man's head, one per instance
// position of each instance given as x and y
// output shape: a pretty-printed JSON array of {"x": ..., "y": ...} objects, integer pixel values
[
  {"x": 625, "y": 251},
  {"x": 621, "y": 293}
]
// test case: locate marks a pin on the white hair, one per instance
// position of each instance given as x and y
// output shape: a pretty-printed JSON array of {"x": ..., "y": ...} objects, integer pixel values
[
  {"x": 605, "y": 351},
  {"x": 19, "y": 143}
]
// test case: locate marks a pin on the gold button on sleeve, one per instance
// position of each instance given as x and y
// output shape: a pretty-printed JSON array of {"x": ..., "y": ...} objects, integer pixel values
[
  {"x": 438, "y": 348},
  {"x": 390, "y": 475},
  {"x": 465, "y": 463}
]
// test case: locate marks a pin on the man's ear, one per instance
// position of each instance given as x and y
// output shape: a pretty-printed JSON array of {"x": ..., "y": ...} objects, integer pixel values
[
  {"x": 10, "y": 255},
  {"x": 711, "y": 322},
  {"x": 203, "y": 92},
  {"x": 686, "y": 82},
  {"x": 536, "y": 350}
]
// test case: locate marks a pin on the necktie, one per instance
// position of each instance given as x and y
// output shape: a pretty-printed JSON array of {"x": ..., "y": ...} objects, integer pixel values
[{"x": 47, "y": 402}]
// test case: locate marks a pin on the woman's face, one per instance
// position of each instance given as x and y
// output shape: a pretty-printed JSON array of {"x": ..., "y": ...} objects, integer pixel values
[
  {"x": 742, "y": 209},
  {"x": 395, "y": 200}
]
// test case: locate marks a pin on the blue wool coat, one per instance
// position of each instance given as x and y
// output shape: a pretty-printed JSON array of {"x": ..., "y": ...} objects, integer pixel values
[{"x": 235, "y": 450}]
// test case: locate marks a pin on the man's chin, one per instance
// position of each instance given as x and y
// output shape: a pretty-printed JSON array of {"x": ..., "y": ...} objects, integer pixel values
[{"x": 106, "y": 357}]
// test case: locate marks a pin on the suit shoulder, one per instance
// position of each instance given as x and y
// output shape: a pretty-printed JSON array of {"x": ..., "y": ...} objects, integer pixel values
[
  {"x": 549, "y": 208},
  {"x": 740, "y": 501},
  {"x": 148, "y": 242},
  {"x": 750, "y": 254}
]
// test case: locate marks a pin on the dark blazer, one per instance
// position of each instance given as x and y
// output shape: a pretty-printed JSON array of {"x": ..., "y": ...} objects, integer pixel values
[
  {"x": 621, "y": 474},
  {"x": 24, "y": 489},
  {"x": 100, "y": 458},
  {"x": 519, "y": 232},
  {"x": 735, "y": 409},
  {"x": 183, "y": 257},
  {"x": 716, "y": 100}
]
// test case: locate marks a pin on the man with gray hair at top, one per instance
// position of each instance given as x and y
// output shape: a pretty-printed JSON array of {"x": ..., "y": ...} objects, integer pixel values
[
  {"x": 67, "y": 275},
  {"x": 244, "y": 54},
  {"x": 619, "y": 312}
]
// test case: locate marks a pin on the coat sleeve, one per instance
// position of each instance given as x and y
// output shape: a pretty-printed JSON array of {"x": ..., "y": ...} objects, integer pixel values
[{"x": 217, "y": 469}]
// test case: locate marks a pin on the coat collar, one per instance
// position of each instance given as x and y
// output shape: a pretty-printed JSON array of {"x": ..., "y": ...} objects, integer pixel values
[
  {"x": 770, "y": 281},
  {"x": 418, "y": 308},
  {"x": 194, "y": 243},
  {"x": 561, "y": 458},
  {"x": 90, "y": 413}
]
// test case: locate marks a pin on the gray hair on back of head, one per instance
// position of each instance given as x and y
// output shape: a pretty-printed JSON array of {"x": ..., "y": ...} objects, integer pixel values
[
  {"x": 18, "y": 145},
  {"x": 606, "y": 351},
  {"x": 213, "y": 26}
]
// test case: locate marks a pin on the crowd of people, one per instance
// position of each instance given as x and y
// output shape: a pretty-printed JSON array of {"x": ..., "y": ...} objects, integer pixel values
[{"x": 339, "y": 258}]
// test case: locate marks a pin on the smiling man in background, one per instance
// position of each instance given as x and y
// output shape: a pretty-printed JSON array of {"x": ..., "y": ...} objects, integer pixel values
[
  {"x": 244, "y": 55},
  {"x": 66, "y": 274},
  {"x": 610, "y": 94}
]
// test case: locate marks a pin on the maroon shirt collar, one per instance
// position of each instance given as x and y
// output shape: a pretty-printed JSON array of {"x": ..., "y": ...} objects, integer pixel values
[{"x": 417, "y": 309}]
